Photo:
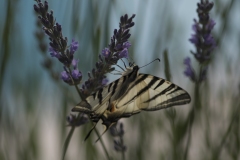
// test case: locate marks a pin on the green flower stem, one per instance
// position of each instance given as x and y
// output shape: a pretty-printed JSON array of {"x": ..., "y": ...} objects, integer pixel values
[
  {"x": 123, "y": 152},
  {"x": 197, "y": 105},
  {"x": 67, "y": 141},
  {"x": 103, "y": 145}
]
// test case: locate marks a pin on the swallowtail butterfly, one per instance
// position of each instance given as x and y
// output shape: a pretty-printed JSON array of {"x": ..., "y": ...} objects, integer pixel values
[{"x": 129, "y": 95}]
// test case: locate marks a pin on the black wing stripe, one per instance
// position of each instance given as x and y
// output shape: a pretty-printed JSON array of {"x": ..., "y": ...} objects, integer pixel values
[
  {"x": 160, "y": 83},
  {"x": 151, "y": 83},
  {"x": 115, "y": 86},
  {"x": 168, "y": 88},
  {"x": 94, "y": 95},
  {"x": 175, "y": 90},
  {"x": 178, "y": 100},
  {"x": 142, "y": 77},
  {"x": 100, "y": 95},
  {"x": 161, "y": 93},
  {"x": 109, "y": 87},
  {"x": 124, "y": 79}
]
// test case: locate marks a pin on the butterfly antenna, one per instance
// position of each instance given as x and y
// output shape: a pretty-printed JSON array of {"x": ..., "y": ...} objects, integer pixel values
[
  {"x": 157, "y": 59},
  {"x": 90, "y": 132}
]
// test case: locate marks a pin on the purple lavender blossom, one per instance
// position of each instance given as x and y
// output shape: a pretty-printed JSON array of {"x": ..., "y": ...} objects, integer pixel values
[
  {"x": 75, "y": 63},
  {"x": 120, "y": 47},
  {"x": 65, "y": 76},
  {"x": 123, "y": 53},
  {"x": 210, "y": 24},
  {"x": 126, "y": 45},
  {"x": 73, "y": 120},
  {"x": 104, "y": 81},
  {"x": 202, "y": 38},
  {"x": 54, "y": 53},
  {"x": 117, "y": 132},
  {"x": 106, "y": 52},
  {"x": 203, "y": 41},
  {"x": 76, "y": 74},
  {"x": 74, "y": 46}
]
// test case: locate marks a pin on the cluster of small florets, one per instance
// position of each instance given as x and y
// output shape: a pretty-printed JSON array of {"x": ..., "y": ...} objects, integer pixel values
[
  {"x": 58, "y": 44},
  {"x": 117, "y": 49},
  {"x": 117, "y": 132},
  {"x": 202, "y": 40},
  {"x": 74, "y": 120}
]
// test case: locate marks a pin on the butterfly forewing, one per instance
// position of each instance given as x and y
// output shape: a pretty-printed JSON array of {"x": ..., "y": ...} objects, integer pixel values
[
  {"x": 151, "y": 93},
  {"x": 164, "y": 94}
]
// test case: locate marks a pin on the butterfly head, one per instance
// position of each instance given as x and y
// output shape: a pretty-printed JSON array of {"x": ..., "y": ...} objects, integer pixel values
[{"x": 133, "y": 68}]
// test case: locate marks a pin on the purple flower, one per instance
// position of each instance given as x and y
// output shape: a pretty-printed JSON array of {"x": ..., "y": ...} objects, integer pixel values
[
  {"x": 73, "y": 120},
  {"x": 210, "y": 25},
  {"x": 209, "y": 40},
  {"x": 194, "y": 39},
  {"x": 54, "y": 53},
  {"x": 120, "y": 47},
  {"x": 117, "y": 132},
  {"x": 74, "y": 46},
  {"x": 104, "y": 81},
  {"x": 126, "y": 45},
  {"x": 189, "y": 72},
  {"x": 123, "y": 53},
  {"x": 65, "y": 76},
  {"x": 76, "y": 74},
  {"x": 106, "y": 52},
  {"x": 195, "y": 26},
  {"x": 75, "y": 63}
]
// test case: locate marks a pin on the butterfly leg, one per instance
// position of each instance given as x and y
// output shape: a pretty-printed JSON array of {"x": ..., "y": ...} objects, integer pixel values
[{"x": 90, "y": 131}]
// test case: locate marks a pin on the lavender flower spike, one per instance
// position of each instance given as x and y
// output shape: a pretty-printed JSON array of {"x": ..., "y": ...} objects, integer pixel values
[
  {"x": 203, "y": 41},
  {"x": 117, "y": 49}
]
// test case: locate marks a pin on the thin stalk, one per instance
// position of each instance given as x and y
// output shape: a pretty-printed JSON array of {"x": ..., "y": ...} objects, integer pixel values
[
  {"x": 219, "y": 148},
  {"x": 197, "y": 105},
  {"x": 67, "y": 141},
  {"x": 123, "y": 152},
  {"x": 103, "y": 145}
]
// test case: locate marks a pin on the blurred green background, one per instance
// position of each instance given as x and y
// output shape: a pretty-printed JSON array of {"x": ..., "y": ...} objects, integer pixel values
[{"x": 34, "y": 103}]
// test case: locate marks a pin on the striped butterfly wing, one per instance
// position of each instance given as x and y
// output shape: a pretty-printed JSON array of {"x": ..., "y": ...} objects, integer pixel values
[
  {"x": 129, "y": 95},
  {"x": 100, "y": 101},
  {"x": 148, "y": 93}
]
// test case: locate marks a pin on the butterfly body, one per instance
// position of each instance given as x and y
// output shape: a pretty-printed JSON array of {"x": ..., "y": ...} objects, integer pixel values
[{"x": 131, "y": 94}]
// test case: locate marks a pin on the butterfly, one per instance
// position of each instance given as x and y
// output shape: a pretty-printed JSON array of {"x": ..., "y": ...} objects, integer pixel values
[{"x": 129, "y": 95}]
